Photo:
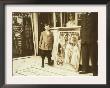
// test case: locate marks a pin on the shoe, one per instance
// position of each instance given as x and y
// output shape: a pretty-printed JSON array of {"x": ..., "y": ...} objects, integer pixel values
[
  {"x": 42, "y": 66},
  {"x": 95, "y": 74},
  {"x": 80, "y": 68},
  {"x": 51, "y": 63},
  {"x": 48, "y": 64},
  {"x": 84, "y": 72}
]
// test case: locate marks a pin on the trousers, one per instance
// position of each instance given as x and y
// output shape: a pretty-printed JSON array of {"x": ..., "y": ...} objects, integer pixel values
[
  {"x": 90, "y": 51},
  {"x": 46, "y": 53}
]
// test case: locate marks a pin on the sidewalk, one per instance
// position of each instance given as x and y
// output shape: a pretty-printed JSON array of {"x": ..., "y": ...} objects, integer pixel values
[{"x": 31, "y": 66}]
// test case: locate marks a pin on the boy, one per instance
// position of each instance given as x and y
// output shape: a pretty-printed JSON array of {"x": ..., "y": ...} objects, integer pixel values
[{"x": 46, "y": 44}]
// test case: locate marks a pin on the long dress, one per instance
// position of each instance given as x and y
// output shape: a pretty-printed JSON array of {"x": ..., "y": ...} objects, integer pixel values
[
  {"x": 68, "y": 53},
  {"x": 75, "y": 57}
]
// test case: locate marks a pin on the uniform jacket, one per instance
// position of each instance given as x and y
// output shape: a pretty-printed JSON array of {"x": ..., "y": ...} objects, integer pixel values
[{"x": 46, "y": 41}]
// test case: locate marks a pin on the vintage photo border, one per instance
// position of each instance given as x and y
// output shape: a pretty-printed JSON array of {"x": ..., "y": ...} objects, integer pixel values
[
  {"x": 101, "y": 9},
  {"x": 2, "y": 45}
]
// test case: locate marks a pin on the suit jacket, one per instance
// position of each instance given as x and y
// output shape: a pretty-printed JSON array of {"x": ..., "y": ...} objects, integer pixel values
[
  {"x": 46, "y": 41},
  {"x": 84, "y": 28},
  {"x": 93, "y": 27},
  {"x": 89, "y": 28}
]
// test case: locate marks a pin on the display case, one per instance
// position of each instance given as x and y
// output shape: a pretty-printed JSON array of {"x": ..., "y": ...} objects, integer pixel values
[{"x": 65, "y": 39}]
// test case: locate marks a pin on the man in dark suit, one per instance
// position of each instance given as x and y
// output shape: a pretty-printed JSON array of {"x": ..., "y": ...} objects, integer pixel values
[
  {"x": 93, "y": 42},
  {"x": 46, "y": 44},
  {"x": 89, "y": 47}
]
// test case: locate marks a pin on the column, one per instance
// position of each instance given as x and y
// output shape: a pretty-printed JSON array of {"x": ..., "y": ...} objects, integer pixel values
[
  {"x": 54, "y": 19},
  {"x": 61, "y": 18},
  {"x": 76, "y": 18},
  {"x": 35, "y": 32}
]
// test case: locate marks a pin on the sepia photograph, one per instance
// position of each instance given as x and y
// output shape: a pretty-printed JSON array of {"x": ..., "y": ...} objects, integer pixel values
[
  {"x": 55, "y": 43},
  {"x": 48, "y": 43}
]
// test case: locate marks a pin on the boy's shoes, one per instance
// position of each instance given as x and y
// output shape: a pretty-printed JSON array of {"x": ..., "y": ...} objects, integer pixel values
[
  {"x": 42, "y": 66},
  {"x": 51, "y": 63}
]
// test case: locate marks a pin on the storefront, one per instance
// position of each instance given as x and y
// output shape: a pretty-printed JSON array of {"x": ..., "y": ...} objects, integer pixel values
[{"x": 27, "y": 27}]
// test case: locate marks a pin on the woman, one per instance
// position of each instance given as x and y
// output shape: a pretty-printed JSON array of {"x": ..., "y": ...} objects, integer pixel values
[{"x": 71, "y": 22}]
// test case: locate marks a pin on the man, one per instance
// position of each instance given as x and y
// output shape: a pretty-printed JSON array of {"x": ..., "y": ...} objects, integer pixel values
[
  {"x": 94, "y": 43},
  {"x": 46, "y": 44},
  {"x": 89, "y": 47}
]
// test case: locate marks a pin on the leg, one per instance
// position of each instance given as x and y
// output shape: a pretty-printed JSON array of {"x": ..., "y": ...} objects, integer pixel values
[
  {"x": 49, "y": 55},
  {"x": 94, "y": 58},
  {"x": 43, "y": 61},
  {"x": 85, "y": 58},
  {"x": 43, "y": 57}
]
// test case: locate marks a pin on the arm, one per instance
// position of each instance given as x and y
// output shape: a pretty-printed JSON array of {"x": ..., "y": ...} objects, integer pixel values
[
  {"x": 40, "y": 42},
  {"x": 53, "y": 37}
]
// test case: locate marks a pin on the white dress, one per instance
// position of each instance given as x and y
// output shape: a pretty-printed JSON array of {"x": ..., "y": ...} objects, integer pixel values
[
  {"x": 75, "y": 56},
  {"x": 68, "y": 53}
]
